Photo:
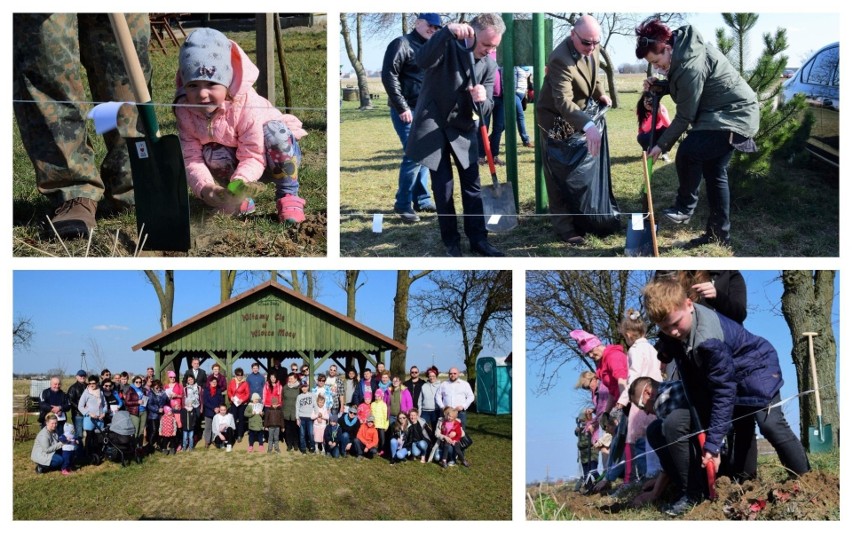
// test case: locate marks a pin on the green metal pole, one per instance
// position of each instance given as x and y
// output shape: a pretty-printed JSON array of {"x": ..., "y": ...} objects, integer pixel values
[
  {"x": 511, "y": 130},
  {"x": 539, "y": 56}
]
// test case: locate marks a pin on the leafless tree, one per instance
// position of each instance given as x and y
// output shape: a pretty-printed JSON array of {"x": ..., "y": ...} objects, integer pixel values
[
  {"x": 475, "y": 303},
  {"x": 807, "y": 307},
  {"x": 97, "y": 354},
  {"x": 401, "y": 325},
  {"x": 22, "y": 332},
  {"x": 355, "y": 54},
  {"x": 165, "y": 290},
  {"x": 561, "y": 301}
]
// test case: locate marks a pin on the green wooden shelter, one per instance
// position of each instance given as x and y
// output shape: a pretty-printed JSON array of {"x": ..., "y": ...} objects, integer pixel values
[{"x": 267, "y": 322}]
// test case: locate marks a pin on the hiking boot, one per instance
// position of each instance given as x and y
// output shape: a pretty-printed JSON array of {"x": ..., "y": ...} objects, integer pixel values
[
  {"x": 75, "y": 218},
  {"x": 680, "y": 507},
  {"x": 677, "y": 216},
  {"x": 407, "y": 215},
  {"x": 291, "y": 209}
]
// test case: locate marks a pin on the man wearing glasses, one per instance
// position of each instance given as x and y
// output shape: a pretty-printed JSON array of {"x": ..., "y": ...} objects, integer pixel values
[
  {"x": 444, "y": 127},
  {"x": 402, "y": 79},
  {"x": 455, "y": 393},
  {"x": 571, "y": 81},
  {"x": 414, "y": 385}
]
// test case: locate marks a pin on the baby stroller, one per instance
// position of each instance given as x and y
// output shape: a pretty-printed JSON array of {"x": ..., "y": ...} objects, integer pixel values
[{"x": 117, "y": 442}]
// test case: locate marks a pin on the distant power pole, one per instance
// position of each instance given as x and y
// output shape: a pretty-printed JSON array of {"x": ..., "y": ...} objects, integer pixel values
[
  {"x": 547, "y": 475},
  {"x": 83, "y": 364}
]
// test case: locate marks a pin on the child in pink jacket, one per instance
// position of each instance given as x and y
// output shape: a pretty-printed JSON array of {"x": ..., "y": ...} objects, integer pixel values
[{"x": 231, "y": 136}]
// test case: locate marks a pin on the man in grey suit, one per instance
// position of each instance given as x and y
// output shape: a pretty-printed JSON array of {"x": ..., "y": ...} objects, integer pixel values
[
  {"x": 444, "y": 125},
  {"x": 571, "y": 81}
]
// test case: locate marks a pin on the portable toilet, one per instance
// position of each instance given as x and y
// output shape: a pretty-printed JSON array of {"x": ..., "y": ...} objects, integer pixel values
[{"x": 493, "y": 385}]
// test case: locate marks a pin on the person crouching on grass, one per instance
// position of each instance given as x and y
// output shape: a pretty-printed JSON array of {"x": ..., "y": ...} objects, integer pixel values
[
  {"x": 730, "y": 377},
  {"x": 451, "y": 434},
  {"x": 231, "y": 136}
]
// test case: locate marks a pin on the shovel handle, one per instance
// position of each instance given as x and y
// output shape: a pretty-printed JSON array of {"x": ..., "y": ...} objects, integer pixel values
[
  {"x": 810, "y": 335},
  {"x": 134, "y": 71},
  {"x": 710, "y": 467},
  {"x": 645, "y": 165}
]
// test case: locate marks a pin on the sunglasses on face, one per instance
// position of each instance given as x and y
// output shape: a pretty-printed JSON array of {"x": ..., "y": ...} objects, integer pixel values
[
  {"x": 434, "y": 28},
  {"x": 586, "y": 42}
]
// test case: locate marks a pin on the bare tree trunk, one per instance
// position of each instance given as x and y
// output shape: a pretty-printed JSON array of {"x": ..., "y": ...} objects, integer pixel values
[
  {"x": 806, "y": 305},
  {"x": 165, "y": 294},
  {"x": 401, "y": 325},
  {"x": 609, "y": 70},
  {"x": 226, "y": 284},
  {"x": 294, "y": 281},
  {"x": 351, "y": 287},
  {"x": 355, "y": 60}
]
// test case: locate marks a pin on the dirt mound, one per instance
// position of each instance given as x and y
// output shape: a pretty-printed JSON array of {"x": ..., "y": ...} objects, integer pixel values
[{"x": 814, "y": 496}]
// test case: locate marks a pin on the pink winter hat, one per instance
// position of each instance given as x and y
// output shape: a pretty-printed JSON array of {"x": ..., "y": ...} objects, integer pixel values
[{"x": 587, "y": 341}]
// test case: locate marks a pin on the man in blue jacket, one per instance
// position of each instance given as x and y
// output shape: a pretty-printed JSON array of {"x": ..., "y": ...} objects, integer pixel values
[{"x": 730, "y": 377}]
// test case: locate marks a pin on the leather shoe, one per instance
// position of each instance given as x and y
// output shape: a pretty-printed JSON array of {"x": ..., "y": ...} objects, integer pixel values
[
  {"x": 573, "y": 239},
  {"x": 408, "y": 216},
  {"x": 677, "y": 216},
  {"x": 429, "y": 208},
  {"x": 484, "y": 248},
  {"x": 75, "y": 218},
  {"x": 454, "y": 250}
]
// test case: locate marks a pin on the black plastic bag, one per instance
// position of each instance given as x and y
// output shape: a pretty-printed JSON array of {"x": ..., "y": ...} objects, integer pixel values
[{"x": 585, "y": 181}]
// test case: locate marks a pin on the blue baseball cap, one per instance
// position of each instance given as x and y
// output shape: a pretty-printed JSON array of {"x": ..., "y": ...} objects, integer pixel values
[{"x": 433, "y": 19}]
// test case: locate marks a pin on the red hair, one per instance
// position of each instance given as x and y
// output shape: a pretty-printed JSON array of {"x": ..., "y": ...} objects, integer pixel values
[{"x": 651, "y": 36}]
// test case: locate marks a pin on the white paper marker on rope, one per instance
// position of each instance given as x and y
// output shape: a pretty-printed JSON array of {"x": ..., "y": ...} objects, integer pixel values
[
  {"x": 106, "y": 116},
  {"x": 493, "y": 220},
  {"x": 377, "y": 223},
  {"x": 637, "y": 222}
]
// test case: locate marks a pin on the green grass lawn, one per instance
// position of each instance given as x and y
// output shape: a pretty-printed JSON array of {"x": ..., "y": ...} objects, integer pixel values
[
  {"x": 214, "y": 484},
  {"x": 792, "y": 212},
  {"x": 212, "y": 235}
]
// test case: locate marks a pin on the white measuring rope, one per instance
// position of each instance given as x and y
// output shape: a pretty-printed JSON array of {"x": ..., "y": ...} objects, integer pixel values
[{"x": 689, "y": 436}]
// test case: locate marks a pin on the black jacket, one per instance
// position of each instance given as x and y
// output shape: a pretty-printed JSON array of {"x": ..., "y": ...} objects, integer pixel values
[
  {"x": 401, "y": 76},
  {"x": 75, "y": 391},
  {"x": 731, "y": 294}
]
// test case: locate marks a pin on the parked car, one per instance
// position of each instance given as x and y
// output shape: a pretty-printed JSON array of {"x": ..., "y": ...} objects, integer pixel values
[
  {"x": 819, "y": 81},
  {"x": 788, "y": 73}
]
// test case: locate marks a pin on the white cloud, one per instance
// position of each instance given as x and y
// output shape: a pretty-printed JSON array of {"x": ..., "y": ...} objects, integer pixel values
[{"x": 108, "y": 327}]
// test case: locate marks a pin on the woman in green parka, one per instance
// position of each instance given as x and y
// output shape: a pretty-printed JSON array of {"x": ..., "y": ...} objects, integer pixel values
[{"x": 717, "y": 104}]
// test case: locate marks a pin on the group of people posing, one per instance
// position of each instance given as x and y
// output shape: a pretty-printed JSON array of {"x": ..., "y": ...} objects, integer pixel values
[
  {"x": 363, "y": 416},
  {"x": 442, "y": 79},
  {"x": 707, "y": 374}
]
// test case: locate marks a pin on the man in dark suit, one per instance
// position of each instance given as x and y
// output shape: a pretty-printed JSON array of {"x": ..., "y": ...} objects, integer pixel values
[
  {"x": 444, "y": 126},
  {"x": 196, "y": 372},
  {"x": 571, "y": 81}
]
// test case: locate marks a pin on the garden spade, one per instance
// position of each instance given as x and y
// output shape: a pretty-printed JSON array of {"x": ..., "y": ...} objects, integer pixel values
[
  {"x": 156, "y": 163},
  {"x": 819, "y": 438},
  {"x": 498, "y": 199}
]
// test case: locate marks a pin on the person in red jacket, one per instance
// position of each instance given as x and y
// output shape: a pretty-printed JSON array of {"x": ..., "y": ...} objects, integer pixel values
[
  {"x": 612, "y": 370},
  {"x": 238, "y": 395},
  {"x": 367, "y": 440}
]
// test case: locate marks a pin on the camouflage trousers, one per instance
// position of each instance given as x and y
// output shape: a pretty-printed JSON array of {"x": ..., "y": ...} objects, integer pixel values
[{"x": 49, "y": 51}]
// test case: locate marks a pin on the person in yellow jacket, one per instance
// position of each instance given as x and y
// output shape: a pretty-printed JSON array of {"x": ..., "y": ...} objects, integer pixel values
[{"x": 379, "y": 411}]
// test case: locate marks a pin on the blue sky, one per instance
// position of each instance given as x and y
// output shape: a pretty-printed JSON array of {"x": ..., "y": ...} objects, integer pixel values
[
  {"x": 551, "y": 446},
  {"x": 118, "y": 309},
  {"x": 806, "y": 32}
]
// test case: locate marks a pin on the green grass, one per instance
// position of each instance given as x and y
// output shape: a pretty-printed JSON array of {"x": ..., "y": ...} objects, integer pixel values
[
  {"x": 212, "y": 235},
  {"x": 289, "y": 486},
  {"x": 792, "y": 212}
]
